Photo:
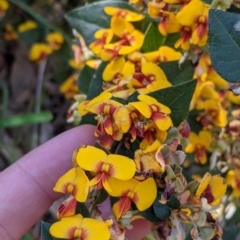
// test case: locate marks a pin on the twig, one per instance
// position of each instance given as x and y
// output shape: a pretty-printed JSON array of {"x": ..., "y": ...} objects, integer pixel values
[{"x": 37, "y": 104}]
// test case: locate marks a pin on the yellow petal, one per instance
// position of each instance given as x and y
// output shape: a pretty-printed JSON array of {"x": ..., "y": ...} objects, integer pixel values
[
  {"x": 74, "y": 182},
  {"x": 152, "y": 69},
  {"x": 122, "y": 118},
  {"x": 143, "y": 108},
  {"x": 152, "y": 101},
  {"x": 86, "y": 228},
  {"x": 122, "y": 186},
  {"x": 190, "y": 12},
  {"x": 205, "y": 138},
  {"x": 169, "y": 54},
  {"x": 38, "y": 51},
  {"x": 94, "y": 229},
  {"x": 124, "y": 167},
  {"x": 112, "y": 69},
  {"x": 147, "y": 99},
  {"x": 218, "y": 186},
  {"x": 203, "y": 184},
  {"x": 121, "y": 207},
  {"x": 62, "y": 229},
  {"x": 121, "y": 27},
  {"x": 230, "y": 177},
  {"x": 135, "y": 39},
  {"x": 193, "y": 138},
  {"x": 146, "y": 194},
  {"x": 127, "y": 15},
  {"x": 27, "y": 25},
  {"x": 162, "y": 121},
  {"x": 89, "y": 157},
  {"x": 152, "y": 56}
]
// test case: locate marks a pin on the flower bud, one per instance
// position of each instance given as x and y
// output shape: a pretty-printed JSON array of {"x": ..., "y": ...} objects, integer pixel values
[{"x": 184, "y": 129}]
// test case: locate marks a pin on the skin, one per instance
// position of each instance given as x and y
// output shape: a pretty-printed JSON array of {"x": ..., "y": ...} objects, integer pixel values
[{"x": 26, "y": 186}]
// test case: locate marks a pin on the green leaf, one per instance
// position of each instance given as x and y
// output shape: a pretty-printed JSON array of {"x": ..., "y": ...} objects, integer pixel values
[
  {"x": 32, "y": 36},
  {"x": 195, "y": 125},
  {"x": 85, "y": 79},
  {"x": 90, "y": 18},
  {"x": 176, "y": 73},
  {"x": 45, "y": 235},
  {"x": 150, "y": 215},
  {"x": 171, "y": 39},
  {"x": 153, "y": 38},
  {"x": 173, "y": 202},
  {"x": 224, "y": 44},
  {"x": 89, "y": 119},
  {"x": 95, "y": 87},
  {"x": 82, "y": 209},
  {"x": 162, "y": 211},
  {"x": 24, "y": 119},
  {"x": 177, "y": 98}
]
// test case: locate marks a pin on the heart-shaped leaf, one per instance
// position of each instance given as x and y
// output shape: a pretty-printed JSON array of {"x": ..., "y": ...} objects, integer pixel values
[
  {"x": 85, "y": 79},
  {"x": 153, "y": 38},
  {"x": 224, "y": 44},
  {"x": 95, "y": 87},
  {"x": 177, "y": 74}
]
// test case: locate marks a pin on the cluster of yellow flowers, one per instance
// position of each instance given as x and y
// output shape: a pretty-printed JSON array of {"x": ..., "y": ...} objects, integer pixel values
[{"x": 148, "y": 181}]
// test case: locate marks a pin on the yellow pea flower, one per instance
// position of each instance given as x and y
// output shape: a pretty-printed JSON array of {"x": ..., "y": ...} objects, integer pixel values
[
  {"x": 9, "y": 33},
  {"x": 233, "y": 98},
  {"x": 199, "y": 144},
  {"x": 212, "y": 188},
  {"x": 118, "y": 69},
  {"x": 4, "y": 5},
  {"x": 151, "y": 133},
  {"x": 69, "y": 87},
  {"x": 122, "y": 118},
  {"x": 73, "y": 182},
  {"x": 164, "y": 54},
  {"x": 77, "y": 227},
  {"x": 233, "y": 180},
  {"x": 185, "y": 38},
  {"x": 103, "y": 36},
  {"x": 130, "y": 38},
  {"x": 168, "y": 23},
  {"x": 195, "y": 15},
  {"x": 146, "y": 160},
  {"x": 104, "y": 109},
  {"x": 39, "y": 51},
  {"x": 76, "y": 64},
  {"x": 55, "y": 40},
  {"x": 214, "y": 113},
  {"x": 135, "y": 1},
  {"x": 67, "y": 208},
  {"x": 204, "y": 89},
  {"x": 126, "y": 14},
  {"x": 26, "y": 26},
  {"x": 141, "y": 193},
  {"x": 150, "y": 108},
  {"x": 105, "y": 166},
  {"x": 151, "y": 78}
]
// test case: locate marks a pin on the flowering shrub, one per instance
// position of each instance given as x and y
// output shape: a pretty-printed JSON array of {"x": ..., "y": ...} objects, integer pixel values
[{"x": 154, "y": 77}]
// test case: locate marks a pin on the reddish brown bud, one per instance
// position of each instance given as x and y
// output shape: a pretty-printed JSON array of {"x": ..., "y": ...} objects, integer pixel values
[{"x": 184, "y": 129}]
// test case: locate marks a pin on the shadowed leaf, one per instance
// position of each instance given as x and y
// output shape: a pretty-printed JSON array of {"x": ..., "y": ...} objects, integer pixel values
[{"x": 224, "y": 44}]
